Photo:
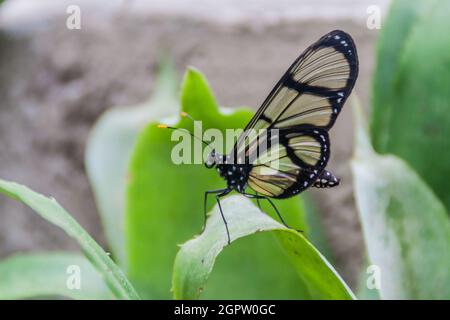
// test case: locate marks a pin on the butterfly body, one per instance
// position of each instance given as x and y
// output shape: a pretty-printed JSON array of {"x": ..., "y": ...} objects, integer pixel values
[
  {"x": 292, "y": 147},
  {"x": 236, "y": 175}
]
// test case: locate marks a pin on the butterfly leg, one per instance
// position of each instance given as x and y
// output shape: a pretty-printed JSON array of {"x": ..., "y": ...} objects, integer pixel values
[
  {"x": 257, "y": 201},
  {"x": 224, "y": 193},
  {"x": 274, "y": 207},
  {"x": 255, "y": 196},
  {"x": 205, "y": 208}
]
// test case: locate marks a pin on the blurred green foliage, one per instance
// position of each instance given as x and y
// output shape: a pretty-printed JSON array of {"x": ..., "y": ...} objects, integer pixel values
[
  {"x": 411, "y": 96},
  {"x": 51, "y": 211},
  {"x": 406, "y": 227},
  {"x": 403, "y": 200}
]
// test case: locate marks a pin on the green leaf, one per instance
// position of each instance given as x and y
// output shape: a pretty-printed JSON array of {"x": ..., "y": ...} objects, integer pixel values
[
  {"x": 109, "y": 149},
  {"x": 316, "y": 234},
  {"x": 411, "y": 91},
  {"x": 165, "y": 205},
  {"x": 196, "y": 257},
  {"x": 46, "y": 274},
  {"x": 403, "y": 16},
  {"x": 51, "y": 211},
  {"x": 406, "y": 227}
]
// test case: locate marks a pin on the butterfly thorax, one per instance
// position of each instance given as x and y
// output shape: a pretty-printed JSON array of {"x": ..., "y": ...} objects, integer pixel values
[{"x": 236, "y": 175}]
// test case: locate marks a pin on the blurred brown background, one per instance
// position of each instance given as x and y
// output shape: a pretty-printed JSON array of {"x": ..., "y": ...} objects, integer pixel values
[{"x": 55, "y": 82}]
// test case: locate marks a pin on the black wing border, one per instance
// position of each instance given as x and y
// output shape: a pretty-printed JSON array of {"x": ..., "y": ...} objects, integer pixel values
[{"x": 341, "y": 42}]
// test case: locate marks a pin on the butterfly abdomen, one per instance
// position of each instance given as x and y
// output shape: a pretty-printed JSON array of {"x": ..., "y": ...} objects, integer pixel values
[{"x": 326, "y": 180}]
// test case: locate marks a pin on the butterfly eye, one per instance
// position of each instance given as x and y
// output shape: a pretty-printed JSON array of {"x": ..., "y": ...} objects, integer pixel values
[{"x": 211, "y": 160}]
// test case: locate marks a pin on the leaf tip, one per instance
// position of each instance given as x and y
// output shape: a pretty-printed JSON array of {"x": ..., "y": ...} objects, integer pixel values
[{"x": 192, "y": 70}]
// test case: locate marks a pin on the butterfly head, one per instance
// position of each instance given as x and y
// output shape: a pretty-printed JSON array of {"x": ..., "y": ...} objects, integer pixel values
[{"x": 211, "y": 160}]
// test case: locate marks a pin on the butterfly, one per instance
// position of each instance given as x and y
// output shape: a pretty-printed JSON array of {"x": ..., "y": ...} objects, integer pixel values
[{"x": 290, "y": 146}]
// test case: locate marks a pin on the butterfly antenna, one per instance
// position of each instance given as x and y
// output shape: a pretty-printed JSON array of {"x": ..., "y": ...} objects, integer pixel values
[
  {"x": 187, "y": 115},
  {"x": 194, "y": 122},
  {"x": 163, "y": 126}
]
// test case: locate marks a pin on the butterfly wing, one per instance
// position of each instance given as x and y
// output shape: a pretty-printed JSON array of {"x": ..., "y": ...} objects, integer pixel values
[
  {"x": 314, "y": 88},
  {"x": 291, "y": 164},
  {"x": 301, "y": 109}
]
